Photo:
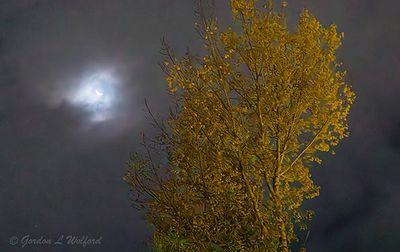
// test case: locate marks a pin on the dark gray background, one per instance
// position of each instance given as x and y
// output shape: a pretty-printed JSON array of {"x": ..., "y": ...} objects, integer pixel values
[{"x": 61, "y": 174}]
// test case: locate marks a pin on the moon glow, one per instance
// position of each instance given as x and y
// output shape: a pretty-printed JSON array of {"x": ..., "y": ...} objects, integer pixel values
[{"x": 96, "y": 94}]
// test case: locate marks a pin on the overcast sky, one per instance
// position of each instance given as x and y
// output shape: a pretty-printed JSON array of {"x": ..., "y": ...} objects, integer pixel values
[{"x": 62, "y": 155}]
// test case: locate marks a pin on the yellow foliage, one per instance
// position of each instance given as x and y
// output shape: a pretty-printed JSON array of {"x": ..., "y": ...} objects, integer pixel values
[{"x": 252, "y": 115}]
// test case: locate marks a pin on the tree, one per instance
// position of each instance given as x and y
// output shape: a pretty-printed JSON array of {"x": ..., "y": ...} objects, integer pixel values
[{"x": 250, "y": 118}]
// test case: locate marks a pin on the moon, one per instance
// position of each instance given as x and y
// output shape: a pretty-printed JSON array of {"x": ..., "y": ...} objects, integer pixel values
[{"x": 99, "y": 93}]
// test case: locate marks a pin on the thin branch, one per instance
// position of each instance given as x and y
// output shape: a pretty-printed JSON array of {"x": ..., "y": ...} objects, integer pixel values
[{"x": 305, "y": 148}]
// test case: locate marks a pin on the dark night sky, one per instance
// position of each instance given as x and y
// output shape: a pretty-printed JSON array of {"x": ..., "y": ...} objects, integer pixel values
[{"x": 60, "y": 171}]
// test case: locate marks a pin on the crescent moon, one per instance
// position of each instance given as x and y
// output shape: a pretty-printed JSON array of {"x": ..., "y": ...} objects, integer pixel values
[{"x": 99, "y": 93}]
